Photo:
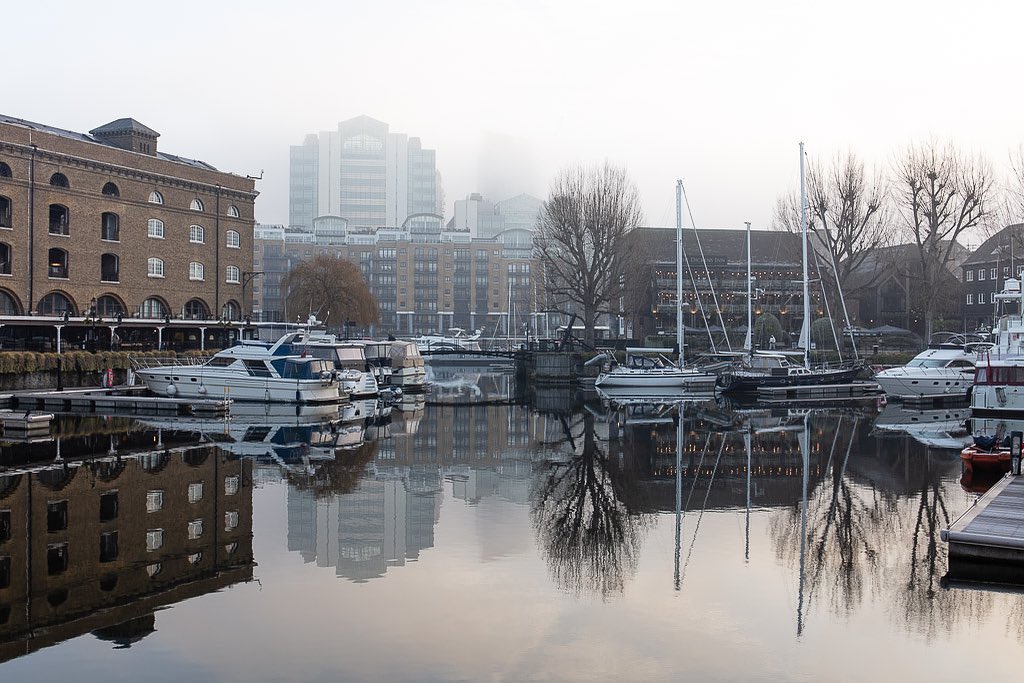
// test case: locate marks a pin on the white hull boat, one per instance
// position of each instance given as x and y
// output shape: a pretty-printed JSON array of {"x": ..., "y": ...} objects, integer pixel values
[
  {"x": 945, "y": 370},
  {"x": 250, "y": 371}
]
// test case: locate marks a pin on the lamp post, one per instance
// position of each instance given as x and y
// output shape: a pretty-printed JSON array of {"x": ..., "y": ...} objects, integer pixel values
[{"x": 247, "y": 278}]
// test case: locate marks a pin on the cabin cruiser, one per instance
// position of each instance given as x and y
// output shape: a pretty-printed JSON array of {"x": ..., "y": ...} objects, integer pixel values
[
  {"x": 776, "y": 370},
  {"x": 455, "y": 340},
  {"x": 407, "y": 369},
  {"x": 641, "y": 371},
  {"x": 349, "y": 361},
  {"x": 378, "y": 360},
  {"x": 999, "y": 380},
  {"x": 251, "y": 370},
  {"x": 945, "y": 369}
]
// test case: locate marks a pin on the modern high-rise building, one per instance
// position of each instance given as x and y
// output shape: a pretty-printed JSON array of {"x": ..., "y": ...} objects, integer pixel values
[{"x": 366, "y": 176}]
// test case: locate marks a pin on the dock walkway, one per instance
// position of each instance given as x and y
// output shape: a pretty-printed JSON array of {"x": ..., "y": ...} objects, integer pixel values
[
  {"x": 993, "y": 529},
  {"x": 115, "y": 400}
]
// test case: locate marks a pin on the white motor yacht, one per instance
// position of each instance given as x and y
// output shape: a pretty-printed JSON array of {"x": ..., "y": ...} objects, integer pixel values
[
  {"x": 249, "y": 371},
  {"x": 945, "y": 369}
]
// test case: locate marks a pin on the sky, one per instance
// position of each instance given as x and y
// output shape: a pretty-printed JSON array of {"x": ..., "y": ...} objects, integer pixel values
[{"x": 510, "y": 92}]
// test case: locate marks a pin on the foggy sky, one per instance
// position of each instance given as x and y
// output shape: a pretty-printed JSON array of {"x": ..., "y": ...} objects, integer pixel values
[{"x": 718, "y": 94}]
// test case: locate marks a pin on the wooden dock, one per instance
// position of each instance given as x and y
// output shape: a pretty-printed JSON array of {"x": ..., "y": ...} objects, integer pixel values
[
  {"x": 993, "y": 529},
  {"x": 116, "y": 401},
  {"x": 817, "y": 392}
]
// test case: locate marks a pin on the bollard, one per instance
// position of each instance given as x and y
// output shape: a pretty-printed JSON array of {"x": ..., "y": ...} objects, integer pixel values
[{"x": 1015, "y": 447}]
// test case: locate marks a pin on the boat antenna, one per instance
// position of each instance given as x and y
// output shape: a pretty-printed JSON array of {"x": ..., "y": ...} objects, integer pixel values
[
  {"x": 749, "y": 344},
  {"x": 803, "y": 225}
]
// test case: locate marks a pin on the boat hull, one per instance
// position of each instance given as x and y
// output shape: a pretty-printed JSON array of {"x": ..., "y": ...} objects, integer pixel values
[
  {"x": 662, "y": 380},
  {"x": 177, "y": 383},
  {"x": 940, "y": 382},
  {"x": 749, "y": 383}
]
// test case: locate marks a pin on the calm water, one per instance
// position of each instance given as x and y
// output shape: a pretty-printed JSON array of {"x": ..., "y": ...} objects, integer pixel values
[{"x": 476, "y": 538}]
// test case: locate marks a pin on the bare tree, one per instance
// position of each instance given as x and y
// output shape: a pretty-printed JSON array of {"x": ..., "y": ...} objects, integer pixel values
[
  {"x": 326, "y": 284},
  {"x": 581, "y": 239},
  {"x": 848, "y": 215},
  {"x": 942, "y": 194}
]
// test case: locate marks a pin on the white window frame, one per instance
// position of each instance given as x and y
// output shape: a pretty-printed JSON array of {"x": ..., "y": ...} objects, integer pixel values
[
  {"x": 196, "y": 205},
  {"x": 970, "y": 276},
  {"x": 156, "y": 198},
  {"x": 970, "y": 299},
  {"x": 195, "y": 492},
  {"x": 233, "y": 240},
  {"x": 154, "y": 539},
  {"x": 154, "y": 500},
  {"x": 230, "y": 520},
  {"x": 196, "y": 271},
  {"x": 981, "y": 297},
  {"x": 196, "y": 234},
  {"x": 981, "y": 274},
  {"x": 231, "y": 485},
  {"x": 233, "y": 211},
  {"x": 155, "y": 267},
  {"x": 195, "y": 529},
  {"x": 155, "y": 228},
  {"x": 232, "y": 275},
  {"x": 992, "y": 274}
]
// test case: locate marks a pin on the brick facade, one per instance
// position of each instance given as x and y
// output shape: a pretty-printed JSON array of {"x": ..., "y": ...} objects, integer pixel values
[{"x": 104, "y": 179}]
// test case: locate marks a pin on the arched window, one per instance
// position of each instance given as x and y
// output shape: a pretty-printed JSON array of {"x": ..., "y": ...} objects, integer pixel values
[
  {"x": 110, "y": 189},
  {"x": 5, "y": 258},
  {"x": 232, "y": 311},
  {"x": 233, "y": 211},
  {"x": 196, "y": 309},
  {"x": 153, "y": 308},
  {"x": 110, "y": 268},
  {"x": 196, "y": 205},
  {"x": 195, "y": 270},
  {"x": 59, "y": 219},
  {"x": 5, "y": 170},
  {"x": 232, "y": 274},
  {"x": 109, "y": 306},
  {"x": 59, "y": 180},
  {"x": 56, "y": 303},
  {"x": 155, "y": 228},
  {"x": 196, "y": 234},
  {"x": 155, "y": 267},
  {"x": 6, "y": 213},
  {"x": 233, "y": 239},
  {"x": 58, "y": 263},
  {"x": 156, "y": 198},
  {"x": 110, "y": 227},
  {"x": 8, "y": 305}
]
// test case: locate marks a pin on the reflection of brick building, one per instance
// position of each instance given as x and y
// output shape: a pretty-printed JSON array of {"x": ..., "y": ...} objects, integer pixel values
[{"x": 96, "y": 544}]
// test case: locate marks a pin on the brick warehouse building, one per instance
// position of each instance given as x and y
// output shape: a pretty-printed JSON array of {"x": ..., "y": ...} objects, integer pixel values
[{"x": 103, "y": 225}]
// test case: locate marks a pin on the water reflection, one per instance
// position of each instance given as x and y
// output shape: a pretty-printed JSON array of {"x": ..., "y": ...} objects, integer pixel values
[
  {"x": 826, "y": 516},
  {"x": 100, "y": 545}
]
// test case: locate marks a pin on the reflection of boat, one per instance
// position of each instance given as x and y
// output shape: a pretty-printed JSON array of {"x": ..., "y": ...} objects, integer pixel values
[
  {"x": 249, "y": 371},
  {"x": 946, "y": 369},
  {"x": 941, "y": 428},
  {"x": 621, "y": 394}
]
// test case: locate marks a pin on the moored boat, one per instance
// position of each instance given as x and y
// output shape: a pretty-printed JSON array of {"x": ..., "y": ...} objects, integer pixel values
[{"x": 249, "y": 371}]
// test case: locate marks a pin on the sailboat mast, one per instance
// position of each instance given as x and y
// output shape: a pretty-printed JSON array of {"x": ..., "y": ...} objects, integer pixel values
[
  {"x": 803, "y": 225},
  {"x": 680, "y": 334},
  {"x": 750, "y": 301}
]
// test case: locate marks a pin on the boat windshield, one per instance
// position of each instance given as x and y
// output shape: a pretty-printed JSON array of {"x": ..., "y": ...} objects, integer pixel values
[{"x": 927, "y": 363}]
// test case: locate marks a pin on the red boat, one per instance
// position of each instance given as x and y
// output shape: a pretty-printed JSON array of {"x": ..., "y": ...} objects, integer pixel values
[{"x": 986, "y": 458}]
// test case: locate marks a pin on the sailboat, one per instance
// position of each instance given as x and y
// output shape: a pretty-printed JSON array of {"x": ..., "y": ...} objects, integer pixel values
[
  {"x": 643, "y": 371},
  {"x": 773, "y": 369}
]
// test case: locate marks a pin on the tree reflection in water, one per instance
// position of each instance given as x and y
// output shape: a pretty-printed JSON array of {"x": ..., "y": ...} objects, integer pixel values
[
  {"x": 873, "y": 526},
  {"x": 585, "y": 510},
  {"x": 338, "y": 476}
]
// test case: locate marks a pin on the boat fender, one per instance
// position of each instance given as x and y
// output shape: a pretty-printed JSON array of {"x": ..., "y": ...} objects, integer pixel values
[
  {"x": 202, "y": 389},
  {"x": 171, "y": 390}
]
